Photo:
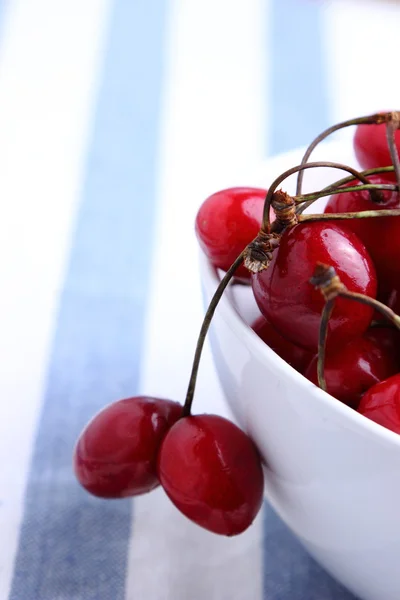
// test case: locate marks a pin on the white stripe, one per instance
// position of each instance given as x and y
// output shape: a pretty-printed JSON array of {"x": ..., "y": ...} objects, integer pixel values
[
  {"x": 49, "y": 62},
  {"x": 361, "y": 41},
  {"x": 213, "y": 134}
]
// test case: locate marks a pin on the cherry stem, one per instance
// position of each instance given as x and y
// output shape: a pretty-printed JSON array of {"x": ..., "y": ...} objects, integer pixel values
[
  {"x": 326, "y": 313},
  {"x": 323, "y": 332},
  {"x": 367, "y": 214},
  {"x": 337, "y": 187},
  {"x": 203, "y": 332},
  {"x": 268, "y": 200},
  {"x": 391, "y": 126},
  {"x": 311, "y": 197},
  {"x": 368, "y": 120},
  {"x": 328, "y": 283},
  {"x": 379, "y": 306},
  {"x": 367, "y": 173}
]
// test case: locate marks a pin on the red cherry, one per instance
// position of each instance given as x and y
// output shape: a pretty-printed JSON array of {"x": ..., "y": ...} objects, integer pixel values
[
  {"x": 297, "y": 357},
  {"x": 288, "y": 300},
  {"x": 372, "y": 232},
  {"x": 367, "y": 229},
  {"x": 226, "y": 222},
  {"x": 351, "y": 370},
  {"x": 387, "y": 338},
  {"x": 211, "y": 471},
  {"x": 371, "y": 147},
  {"x": 116, "y": 453},
  {"x": 382, "y": 403},
  {"x": 393, "y": 299}
]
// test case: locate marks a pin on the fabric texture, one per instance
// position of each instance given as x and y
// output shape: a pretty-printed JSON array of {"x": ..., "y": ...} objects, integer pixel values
[{"x": 117, "y": 118}]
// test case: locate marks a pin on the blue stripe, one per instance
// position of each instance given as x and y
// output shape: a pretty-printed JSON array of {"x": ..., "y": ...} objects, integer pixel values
[
  {"x": 289, "y": 572},
  {"x": 3, "y": 8},
  {"x": 299, "y": 95},
  {"x": 72, "y": 546}
]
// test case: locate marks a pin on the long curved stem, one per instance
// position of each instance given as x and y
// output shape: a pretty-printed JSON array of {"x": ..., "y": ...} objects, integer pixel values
[
  {"x": 379, "y": 306},
  {"x": 337, "y": 187},
  {"x": 268, "y": 200},
  {"x": 326, "y": 313},
  {"x": 367, "y": 214},
  {"x": 367, "y": 120},
  {"x": 310, "y": 198},
  {"x": 203, "y": 332},
  {"x": 327, "y": 281},
  {"x": 391, "y": 128},
  {"x": 367, "y": 173}
]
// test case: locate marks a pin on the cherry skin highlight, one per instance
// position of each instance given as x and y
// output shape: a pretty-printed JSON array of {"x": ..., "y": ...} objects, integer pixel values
[
  {"x": 382, "y": 403},
  {"x": 287, "y": 299},
  {"x": 116, "y": 454},
  {"x": 297, "y": 357},
  {"x": 227, "y": 222},
  {"x": 211, "y": 471}
]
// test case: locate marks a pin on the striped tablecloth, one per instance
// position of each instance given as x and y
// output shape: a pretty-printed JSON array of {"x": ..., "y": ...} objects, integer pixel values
[{"x": 117, "y": 118}]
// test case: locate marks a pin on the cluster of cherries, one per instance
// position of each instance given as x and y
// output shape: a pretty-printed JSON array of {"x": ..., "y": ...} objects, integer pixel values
[{"x": 328, "y": 289}]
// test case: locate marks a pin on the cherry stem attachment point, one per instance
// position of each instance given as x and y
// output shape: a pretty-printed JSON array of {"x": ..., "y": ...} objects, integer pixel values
[
  {"x": 266, "y": 225},
  {"x": 367, "y": 120},
  {"x": 203, "y": 332},
  {"x": 328, "y": 282}
]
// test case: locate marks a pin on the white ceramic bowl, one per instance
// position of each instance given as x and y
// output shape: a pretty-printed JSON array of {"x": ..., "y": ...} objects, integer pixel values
[{"x": 332, "y": 475}]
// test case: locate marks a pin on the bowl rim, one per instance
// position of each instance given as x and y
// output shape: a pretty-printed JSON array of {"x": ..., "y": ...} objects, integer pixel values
[{"x": 210, "y": 278}]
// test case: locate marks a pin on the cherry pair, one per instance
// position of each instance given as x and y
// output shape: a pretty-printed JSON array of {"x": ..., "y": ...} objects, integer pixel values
[{"x": 209, "y": 468}]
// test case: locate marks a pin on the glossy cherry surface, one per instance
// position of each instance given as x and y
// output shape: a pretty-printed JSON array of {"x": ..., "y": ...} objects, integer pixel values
[
  {"x": 226, "y": 222},
  {"x": 380, "y": 236},
  {"x": 116, "y": 453},
  {"x": 299, "y": 358},
  {"x": 287, "y": 299},
  {"x": 351, "y": 370},
  {"x": 371, "y": 147},
  {"x": 212, "y": 472},
  {"x": 382, "y": 403}
]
